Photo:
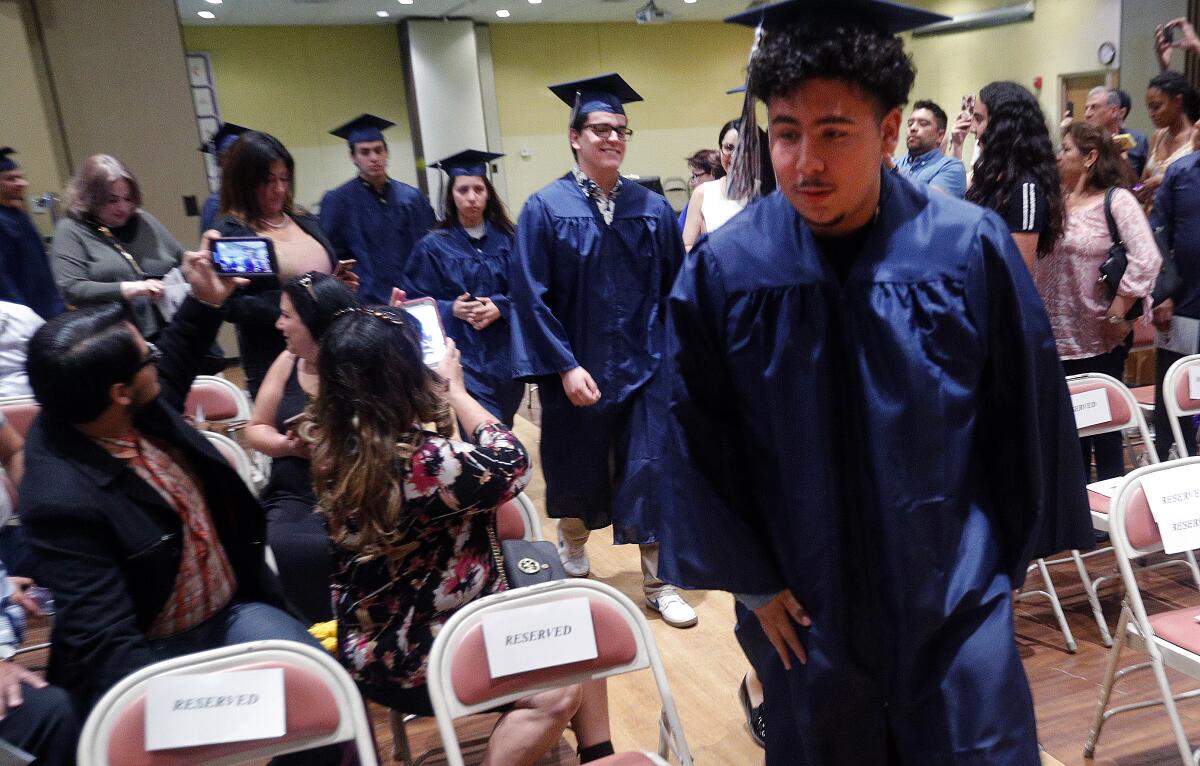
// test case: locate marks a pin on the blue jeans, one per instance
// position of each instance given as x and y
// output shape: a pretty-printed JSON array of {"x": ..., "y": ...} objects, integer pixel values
[{"x": 237, "y": 623}]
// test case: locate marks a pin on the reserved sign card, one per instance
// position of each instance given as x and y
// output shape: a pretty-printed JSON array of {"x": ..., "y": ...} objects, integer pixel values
[
  {"x": 1174, "y": 498},
  {"x": 541, "y": 636},
  {"x": 1091, "y": 408},
  {"x": 1106, "y": 487},
  {"x": 1194, "y": 382},
  {"x": 212, "y": 708}
]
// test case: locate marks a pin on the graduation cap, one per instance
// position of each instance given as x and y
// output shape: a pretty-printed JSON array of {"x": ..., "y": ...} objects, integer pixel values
[
  {"x": 471, "y": 162},
  {"x": 7, "y": 163},
  {"x": 604, "y": 93},
  {"x": 882, "y": 15},
  {"x": 218, "y": 142},
  {"x": 365, "y": 127}
]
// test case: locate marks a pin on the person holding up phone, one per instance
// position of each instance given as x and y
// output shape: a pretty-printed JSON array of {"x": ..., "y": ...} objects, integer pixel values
[
  {"x": 1176, "y": 34},
  {"x": 297, "y": 535},
  {"x": 463, "y": 265},
  {"x": 257, "y": 178}
]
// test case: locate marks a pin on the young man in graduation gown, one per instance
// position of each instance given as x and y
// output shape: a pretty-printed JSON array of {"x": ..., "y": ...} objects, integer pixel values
[
  {"x": 871, "y": 431},
  {"x": 25, "y": 275},
  {"x": 374, "y": 219},
  {"x": 596, "y": 255},
  {"x": 219, "y": 143}
]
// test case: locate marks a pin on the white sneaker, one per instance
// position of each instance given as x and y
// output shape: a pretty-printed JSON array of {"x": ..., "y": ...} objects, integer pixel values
[
  {"x": 574, "y": 558},
  {"x": 674, "y": 610}
]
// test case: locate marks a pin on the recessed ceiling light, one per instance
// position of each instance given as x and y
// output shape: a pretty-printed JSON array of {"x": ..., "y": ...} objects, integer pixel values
[
  {"x": 214, "y": 2},
  {"x": 206, "y": 14},
  {"x": 406, "y": 2},
  {"x": 535, "y": 2},
  {"x": 689, "y": 2},
  {"x": 503, "y": 13},
  {"x": 381, "y": 14}
]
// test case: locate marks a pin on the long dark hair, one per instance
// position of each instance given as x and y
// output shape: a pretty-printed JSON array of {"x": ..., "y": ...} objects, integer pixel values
[
  {"x": 1109, "y": 169},
  {"x": 1173, "y": 84},
  {"x": 317, "y": 298},
  {"x": 245, "y": 167},
  {"x": 374, "y": 390},
  {"x": 494, "y": 211},
  {"x": 1016, "y": 143}
]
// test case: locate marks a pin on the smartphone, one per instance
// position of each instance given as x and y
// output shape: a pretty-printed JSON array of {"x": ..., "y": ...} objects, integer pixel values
[
  {"x": 433, "y": 334},
  {"x": 1124, "y": 141},
  {"x": 345, "y": 265},
  {"x": 1169, "y": 33},
  {"x": 1070, "y": 108},
  {"x": 968, "y": 104},
  {"x": 291, "y": 423},
  {"x": 244, "y": 257}
]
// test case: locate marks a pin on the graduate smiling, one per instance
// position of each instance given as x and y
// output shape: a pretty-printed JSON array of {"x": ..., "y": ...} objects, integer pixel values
[{"x": 872, "y": 436}]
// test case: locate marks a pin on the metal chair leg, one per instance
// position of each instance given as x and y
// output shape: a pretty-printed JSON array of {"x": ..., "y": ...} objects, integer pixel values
[
  {"x": 1091, "y": 589},
  {"x": 1114, "y": 657},
  {"x": 1056, "y": 605},
  {"x": 400, "y": 749}
]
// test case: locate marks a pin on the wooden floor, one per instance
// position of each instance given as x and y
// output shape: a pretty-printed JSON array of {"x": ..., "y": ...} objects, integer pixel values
[{"x": 704, "y": 666}]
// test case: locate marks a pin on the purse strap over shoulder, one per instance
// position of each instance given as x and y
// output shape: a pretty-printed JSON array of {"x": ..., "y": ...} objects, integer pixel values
[{"x": 1113, "y": 231}]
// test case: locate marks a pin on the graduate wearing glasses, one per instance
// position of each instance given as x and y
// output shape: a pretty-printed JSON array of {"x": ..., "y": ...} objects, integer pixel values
[
  {"x": 596, "y": 255},
  {"x": 873, "y": 436}
]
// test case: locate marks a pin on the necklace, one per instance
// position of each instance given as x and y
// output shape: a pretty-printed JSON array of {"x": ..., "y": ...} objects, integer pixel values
[{"x": 283, "y": 222}]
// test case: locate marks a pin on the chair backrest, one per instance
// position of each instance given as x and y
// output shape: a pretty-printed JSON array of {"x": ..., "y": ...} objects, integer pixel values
[
  {"x": 460, "y": 681},
  {"x": 518, "y": 520},
  {"x": 1123, "y": 407},
  {"x": 1177, "y": 396},
  {"x": 222, "y": 400},
  {"x": 323, "y": 706},
  {"x": 237, "y": 457},
  {"x": 20, "y": 411}
]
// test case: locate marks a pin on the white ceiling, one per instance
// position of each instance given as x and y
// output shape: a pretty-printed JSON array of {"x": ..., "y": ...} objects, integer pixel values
[{"x": 284, "y": 12}]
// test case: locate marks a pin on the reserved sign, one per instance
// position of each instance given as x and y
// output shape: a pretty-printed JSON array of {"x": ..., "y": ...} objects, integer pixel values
[
  {"x": 1194, "y": 382},
  {"x": 1091, "y": 408},
  {"x": 1174, "y": 498},
  {"x": 213, "y": 708},
  {"x": 541, "y": 636}
]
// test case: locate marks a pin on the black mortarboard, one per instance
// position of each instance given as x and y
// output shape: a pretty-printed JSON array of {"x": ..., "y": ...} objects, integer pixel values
[
  {"x": 471, "y": 162},
  {"x": 7, "y": 163},
  {"x": 218, "y": 142},
  {"x": 365, "y": 127},
  {"x": 604, "y": 93},
  {"x": 888, "y": 17}
]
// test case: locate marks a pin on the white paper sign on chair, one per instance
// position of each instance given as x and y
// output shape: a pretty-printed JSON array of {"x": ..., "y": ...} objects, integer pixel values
[
  {"x": 539, "y": 636},
  {"x": 1194, "y": 382},
  {"x": 1091, "y": 407},
  {"x": 1174, "y": 498},
  {"x": 214, "y": 708}
]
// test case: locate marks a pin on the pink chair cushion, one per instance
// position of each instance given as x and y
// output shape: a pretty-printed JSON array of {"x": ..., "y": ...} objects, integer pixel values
[
  {"x": 1098, "y": 502},
  {"x": 1178, "y": 626},
  {"x": 1139, "y": 522},
  {"x": 21, "y": 415},
  {"x": 1183, "y": 395},
  {"x": 472, "y": 679},
  {"x": 312, "y": 711},
  {"x": 1144, "y": 395},
  {"x": 218, "y": 402},
  {"x": 624, "y": 759},
  {"x": 510, "y": 524},
  {"x": 1117, "y": 405}
]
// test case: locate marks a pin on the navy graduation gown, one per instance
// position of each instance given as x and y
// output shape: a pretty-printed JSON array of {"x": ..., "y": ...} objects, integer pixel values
[
  {"x": 586, "y": 293},
  {"x": 379, "y": 231},
  {"x": 894, "y": 451},
  {"x": 444, "y": 265},
  {"x": 25, "y": 275},
  {"x": 210, "y": 211}
]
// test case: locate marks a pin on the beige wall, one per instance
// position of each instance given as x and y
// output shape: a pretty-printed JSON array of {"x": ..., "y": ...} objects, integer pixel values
[
  {"x": 298, "y": 83},
  {"x": 29, "y": 124},
  {"x": 1138, "y": 60},
  {"x": 118, "y": 73}
]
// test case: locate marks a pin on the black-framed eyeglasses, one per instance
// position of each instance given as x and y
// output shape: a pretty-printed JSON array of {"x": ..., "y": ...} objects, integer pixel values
[
  {"x": 604, "y": 132},
  {"x": 153, "y": 356}
]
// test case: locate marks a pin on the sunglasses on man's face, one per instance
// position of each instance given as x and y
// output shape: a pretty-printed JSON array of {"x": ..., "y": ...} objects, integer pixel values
[{"x": 153, "y": 356}]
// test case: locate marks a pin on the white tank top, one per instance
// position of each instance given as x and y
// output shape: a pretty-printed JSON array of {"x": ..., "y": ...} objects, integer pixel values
[{"x": 715, "y": 208}]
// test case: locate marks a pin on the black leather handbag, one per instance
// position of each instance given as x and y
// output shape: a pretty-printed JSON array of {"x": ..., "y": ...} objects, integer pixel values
[
  {"x": 1113, "y": 268},
  {"x": 528, "y": 562}
]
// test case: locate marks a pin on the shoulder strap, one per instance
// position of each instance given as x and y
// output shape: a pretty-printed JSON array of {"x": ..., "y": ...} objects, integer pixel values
[{"x": 1113, "y": 231}]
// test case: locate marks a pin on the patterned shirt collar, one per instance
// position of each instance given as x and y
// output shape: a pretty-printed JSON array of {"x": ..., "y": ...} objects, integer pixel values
[{"x": 606, "y": 203}]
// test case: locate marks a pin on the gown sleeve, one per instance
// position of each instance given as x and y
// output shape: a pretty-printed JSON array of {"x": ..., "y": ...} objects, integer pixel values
[
  {"x": 336, "y": 222},
  {"x": 710, "y": 535},
  {"x": 1029, "y": 453},
  {"x": 425, "y": 277},
  {"x": 539, "y": 342}
]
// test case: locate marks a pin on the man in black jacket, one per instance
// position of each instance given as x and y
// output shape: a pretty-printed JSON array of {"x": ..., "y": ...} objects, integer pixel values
[{"x": 149, "y": 540}]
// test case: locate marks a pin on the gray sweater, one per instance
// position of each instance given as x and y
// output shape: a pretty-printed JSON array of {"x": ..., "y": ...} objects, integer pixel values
[{"x": 89, "y": 270}]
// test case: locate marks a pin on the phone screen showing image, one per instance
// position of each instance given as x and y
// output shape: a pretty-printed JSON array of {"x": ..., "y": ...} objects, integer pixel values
[
  {"x": 433, "y": 335},
  {"x": 244, "y": 256}
]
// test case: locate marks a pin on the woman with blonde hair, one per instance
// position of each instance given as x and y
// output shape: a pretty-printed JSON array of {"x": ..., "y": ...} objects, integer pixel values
[{"x": 107, "y": 249}]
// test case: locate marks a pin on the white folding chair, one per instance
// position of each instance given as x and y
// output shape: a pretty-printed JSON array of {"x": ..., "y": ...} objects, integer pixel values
[
  {"x": 217, "y": 400},
  {"x": 1177, "y": 397},
  {"x": 460, "y": 682},
  {"x": 1170, "y": 639},
  {"x": 323, "y": 707},
  {"x": 20, "y": 411},
  {"x": 237, "y": 457}
]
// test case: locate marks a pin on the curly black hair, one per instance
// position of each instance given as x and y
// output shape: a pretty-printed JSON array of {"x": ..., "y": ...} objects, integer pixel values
[
  {"x": 870, "y": 60},
  {"x": 1174, "y": 84},
  {"x": 1016, "y": 144}
]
